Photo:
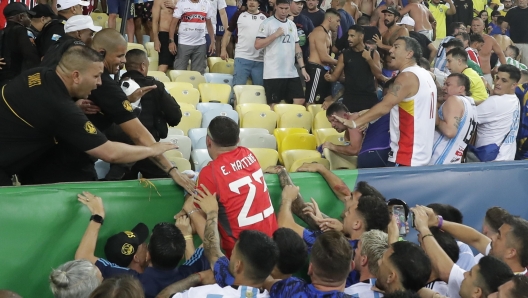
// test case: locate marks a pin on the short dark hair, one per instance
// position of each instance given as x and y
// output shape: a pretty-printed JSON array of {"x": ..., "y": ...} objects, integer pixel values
[
  {"x": 123, "y": 286},
  {"x": 500, "y": 20},
  {"x": 514, "y": 72},
  {"x": 495, "y": 218},
  {"x": 374, "y": 212},
  {"x": 458, "y": 53},
  {"x": 412, "y": 44},
  {"x": 520, "y": 286},
  {"x": 447, "y": 212},
  {"x": 277, "y": 2},
  {"x": 77, "y": 57},
  {"x": 259, "y": 252},
  {"x": 358, "y": 28},
  {"x": 447, "y": 242},
  {"x": 424, "y": 63},
  {"x": 402, "y": 294},
  {"x": 292, "y": 250},
  {"x": 492, "y": 274},
  {"x": 413, "y": 265},
  {"x": 336, "y": 107},
  {"x": 455, "y": 42},
  {"x": 363, "y": 21},
  {"x": 368, "y": 190},
  {"x": 224, "y": 131},
  {"x": 453, "y": 27},
  {"x": 463, "y": 80},
  {"x": 476, "y": 38},
  {"x": 517, "y": 237},
  {"x": 332, "y": 11},
  {"x": 166, "y": 246},
  {"x": 465, "y": 36},
  {"x": 495, "y": 13},
  {"x": 331, "y": 257},
  {"x": 515, "y": 50},
  {"x": 134, "y": 58}
]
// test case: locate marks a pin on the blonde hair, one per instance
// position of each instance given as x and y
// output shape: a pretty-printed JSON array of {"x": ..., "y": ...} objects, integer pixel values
[{"x": 374, "y": 243}]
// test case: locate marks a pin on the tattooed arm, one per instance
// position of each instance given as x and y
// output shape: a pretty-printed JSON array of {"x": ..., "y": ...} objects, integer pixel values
[
  {"x": 337, "y": 185},
  {"x": 452, "y": 110}
]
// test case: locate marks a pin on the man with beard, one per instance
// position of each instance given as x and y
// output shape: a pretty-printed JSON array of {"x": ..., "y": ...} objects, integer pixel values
[
  {"x": 378, "y": 17},
  {"x": 393, "y": 30},
  {"x": 316, "y": 15},
  {"x": 490, "y": 44}
]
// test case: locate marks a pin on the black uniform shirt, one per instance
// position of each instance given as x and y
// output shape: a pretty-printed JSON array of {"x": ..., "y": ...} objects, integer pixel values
[
  {"x": 50, "y": 34},
  {"x": 55, "y": 52},
  {"x": 35, "y": 110}
]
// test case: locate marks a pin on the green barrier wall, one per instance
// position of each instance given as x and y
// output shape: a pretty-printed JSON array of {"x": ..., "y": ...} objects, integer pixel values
[{"x": 41, "y": 226}]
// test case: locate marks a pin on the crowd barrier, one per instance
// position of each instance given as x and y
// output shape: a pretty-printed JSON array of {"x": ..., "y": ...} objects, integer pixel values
[{"x": 41, "y": 226}]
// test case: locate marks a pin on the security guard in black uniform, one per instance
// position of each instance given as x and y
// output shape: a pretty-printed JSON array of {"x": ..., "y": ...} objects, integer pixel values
[
  {"x": 36, "y": 110},
  {"x": 79, "y": 30},
  {"x": 158, "y": 108},
  {"x": 17, "y": 45},
  {"x": 54, "y": 30},
  {"x": 113, "y": 107},
  {"x": 43, "y": 15}
]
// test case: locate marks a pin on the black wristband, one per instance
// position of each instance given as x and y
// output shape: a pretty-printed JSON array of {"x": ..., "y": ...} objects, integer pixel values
[
  {"x": 97, "y": 218},
  {"x": 303, "y": 66},
  {"x": 168, "y": 172}
]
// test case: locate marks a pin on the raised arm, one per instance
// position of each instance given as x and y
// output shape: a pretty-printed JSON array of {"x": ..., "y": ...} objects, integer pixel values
[
  {"x": 374, "y": 62},
  {"x": 285, "y": 218},
  {"x": 337, "y": 185},
  {"x": 452, "y": 8},
  {"x": 86, "y": 249}
]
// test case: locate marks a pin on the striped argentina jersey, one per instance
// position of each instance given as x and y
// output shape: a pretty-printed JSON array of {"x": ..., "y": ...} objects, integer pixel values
[
  {"x": 449, "y": 151},
  {"x": 363, "y": 289},
  {"x": 215, "y": 291},
  {"x": 412, "y": 123}
]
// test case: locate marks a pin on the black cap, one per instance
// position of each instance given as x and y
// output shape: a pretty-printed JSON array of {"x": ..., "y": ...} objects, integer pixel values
[
  {"x": 121, "y": 247},
  {"x": 391, "y": 10},
  {"x": 42, "y": 10},
  {"x": 395, "y": 201},
  {"x": 15, "y": 8}
]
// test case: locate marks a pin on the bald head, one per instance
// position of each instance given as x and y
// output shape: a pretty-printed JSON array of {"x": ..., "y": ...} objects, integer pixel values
[
  {"x": 108, "y": 39},
  {"x": 8, "y": 294},
  {"x": 78, "y": 58}
]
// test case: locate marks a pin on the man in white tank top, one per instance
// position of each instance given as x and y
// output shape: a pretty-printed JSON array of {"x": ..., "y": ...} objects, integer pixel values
[
  {"x": 456, "y": 121},
  {"x": 411, "y": 101}
]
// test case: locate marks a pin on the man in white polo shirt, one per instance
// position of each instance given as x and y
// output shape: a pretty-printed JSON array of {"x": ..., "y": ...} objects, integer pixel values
[{"x": 195, "y": 17}]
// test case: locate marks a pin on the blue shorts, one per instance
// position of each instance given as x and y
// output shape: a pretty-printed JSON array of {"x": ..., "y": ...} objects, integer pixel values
[
  {"x": 118, "y": 7},
  {"x": 245, "y": 68},
  {"x": 373, "y": 159}
]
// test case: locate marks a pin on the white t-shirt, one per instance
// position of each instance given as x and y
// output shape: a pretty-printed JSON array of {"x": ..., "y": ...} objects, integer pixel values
[
  {"x": 363, "y": 290},
  {"x": 438, "y": 286},
  {"x": 466, "y": 260},
  {"x": 248, "y": 28},
  {"x": 279, "y": 56},
  {"x": 218, "y": 292},
  {"x": 193, "y": 18},
  {"x": 455, "y": 280},
  {"x": 216, "y": 5},
  {"x": 498, "y": 116}
]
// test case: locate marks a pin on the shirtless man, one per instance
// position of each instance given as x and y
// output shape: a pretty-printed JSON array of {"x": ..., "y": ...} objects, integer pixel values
[
  {"x": 366, "y": 7},
  {"x": 490, "y": 44},
  {"x": 161, "y": 19},
  {"x": 320, "y": 61},
  {"x": 393, "y": 30},
  {"x": 352, "y": 9},
  {"x": 423, "y": 18},
  {"x": 378, "y": 17}
]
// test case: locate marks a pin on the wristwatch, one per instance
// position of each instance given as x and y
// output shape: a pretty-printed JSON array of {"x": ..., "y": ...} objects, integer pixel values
[
  {"x": 171, "y": 40},
  {"x": 97, "y": 218}
]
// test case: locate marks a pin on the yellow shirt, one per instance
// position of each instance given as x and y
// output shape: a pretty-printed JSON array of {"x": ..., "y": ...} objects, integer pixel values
[
  {"x": 477, "y": 87},
  {"x": 439, "y": 13},
  {"x": 479, "y": 6}
]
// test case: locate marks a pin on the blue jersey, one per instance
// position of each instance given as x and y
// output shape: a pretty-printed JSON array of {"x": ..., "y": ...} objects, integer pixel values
[
  {"x": 522, "y": 93},
  {"x": 294, "y": 287},
  {"x": 377, "y": 136},
  {"x": 230, "y": 11},
  {"x": 221, "y": 273}
]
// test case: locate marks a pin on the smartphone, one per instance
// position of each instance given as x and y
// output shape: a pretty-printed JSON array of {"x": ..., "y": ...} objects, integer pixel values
[
  {"x": 399, "y": 211},
  {"x": 411, "y": 219}
]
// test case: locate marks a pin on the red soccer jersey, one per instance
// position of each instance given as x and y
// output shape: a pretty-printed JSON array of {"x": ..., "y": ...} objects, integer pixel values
[{"x": 243, "y": 198}]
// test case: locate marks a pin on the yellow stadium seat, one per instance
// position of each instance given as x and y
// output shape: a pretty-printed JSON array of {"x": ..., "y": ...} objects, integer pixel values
[
  {"x": 339, "y": 161},
  {"x": 291, "y": 156},
  {"x": 173, "y": 154},
  {"x": 320, "y": 121},
  {"x": 190, "y": 119},
  {"x": 285, "y": 107},
  {"x": 212, "y": 61},
  {"x": 180, "y": 162},
  {"x": 250, "y": 96},
  {"x": 118, "y": 24},
  {"x": 159, "y": 75},
  {"x": 151, "y": 52},
  {"x": 297, "y": 141},
  {"x": 132, "y": 45},
  {"x": 170, "y": 85},
  {"x": 175, "y": 131},
  {"x": 185, "y": 95},
  {"x": 250, "y": 82},
  {"x": 314, "y": 109},
  {"x": 153, "y": 63},
  {"x": 186, "y": 106},
  {"x": 238, "y": 89},
  {"x": 296, "y": 119},
  {"x": 244, "y": 108},
  {"x": 266, "y": 157},
  {"x": 99, "y": 18},
  {"x": 322, "y": 133},
  {"x": 223, "y": 67},
  {"x": 188, "y": 76},
  {"x": 337, "y": 139},
  {"x": 281, "y": 133},
  {"x": 260, "y": 119},
  {"x": 211, "y": 92},
  {"x": 299, "y": 162}
]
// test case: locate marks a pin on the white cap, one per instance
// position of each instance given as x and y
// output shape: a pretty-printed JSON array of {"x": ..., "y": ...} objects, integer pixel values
[
  {"x": 406, "y": 20},
  {"x": 65, "y": 4},
  {"x": 80, "y": 22}
]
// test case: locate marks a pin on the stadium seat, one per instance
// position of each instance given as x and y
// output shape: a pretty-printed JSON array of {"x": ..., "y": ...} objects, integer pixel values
[
  {"x": 265, "y": 156},
  {"x": 185, "y": 94},
  {"x": 175, "y": 131},
  {"x": 281, "y": 133},
  {"x": 297, "y": 163},
  {"x": 195, "y": 134},
  {"x": 251, "y": 96},
  {"x": 337, "y": 139},
  {"x": 339, "y": 161},
  {"x": 260, "y": 119},
  {"x": 264, "y": 140},
  {"x": 153, "y": 63},
  {"x": 211, "y": 114},
  {"x": 173, "y": 153},
  {"x": 322, "y": 133},
  {"x": 214, "y": 92},
  {"x": 169, "y": 85},
  {"x": 293, "y": 119},
  {"x": 159, "y": 75},
  {"x": 320, "y": 121},
  {"x": 190, "y": 119},
  {"x": 189, "y": 76},
  {"x": 101, "y": 168},
  {"x": 138, "y": 46},
  {"x": 219, "y": 78},
  {"x": 249, "y": 131},
  {"x": 201, "y": 144},
  {"x": 282, "y": 108},
  {"x": 224, "y": 67},
  {"x": 290, "y": 156},
  {"x": 207, "y": 106},
  {"x": 246, "y": 107},
  {"x": 183, "y": 142},
  {"x": 212, "y": 61},
  {"x": 314, "y": 109},
  {"x": 186, "y": 107},
  {"x": 151, "y": 52},
  {"x": 99, "y": 18},
  {"x": 297, "y": 141},
  {"x": 238, "y": 89},
  {"x": 199, "y": 158},
  {"x": 182, "y": 163}
]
